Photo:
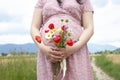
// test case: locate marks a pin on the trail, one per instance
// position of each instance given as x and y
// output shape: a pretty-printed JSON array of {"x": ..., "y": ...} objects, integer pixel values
[{"x": 99, "y": 74}]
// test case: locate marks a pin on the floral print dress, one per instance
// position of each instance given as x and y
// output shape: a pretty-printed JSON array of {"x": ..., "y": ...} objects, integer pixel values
[{"x": 78, "y": 64}]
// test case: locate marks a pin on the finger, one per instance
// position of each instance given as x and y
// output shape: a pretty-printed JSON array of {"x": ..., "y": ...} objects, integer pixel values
[
  {"x": 57, "y": 53},
  {"x": 56, "y": 57},
  {"x": 60, "y": 49},
  {"x": 55, "y": 49},
  {"x": 53, "y": 60}
]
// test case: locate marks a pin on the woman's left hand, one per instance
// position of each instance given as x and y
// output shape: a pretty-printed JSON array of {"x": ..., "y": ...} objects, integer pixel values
[{"x": 69, "y": 50}]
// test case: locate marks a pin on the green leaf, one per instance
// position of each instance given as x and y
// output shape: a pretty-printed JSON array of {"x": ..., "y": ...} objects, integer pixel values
[
  {"x": 62, "y": 20},
  {"x": 66, "y": 20}
]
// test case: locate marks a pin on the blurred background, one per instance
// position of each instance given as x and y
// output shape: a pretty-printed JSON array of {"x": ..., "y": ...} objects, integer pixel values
[{"x": 15, "y": 39}]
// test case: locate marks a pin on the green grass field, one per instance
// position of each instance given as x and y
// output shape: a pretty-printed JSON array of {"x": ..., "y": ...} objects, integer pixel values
[
  {"x": 108, "y": 66},
  {"x": 18, "y": 68},
  {"x": 24, "y": 67}
]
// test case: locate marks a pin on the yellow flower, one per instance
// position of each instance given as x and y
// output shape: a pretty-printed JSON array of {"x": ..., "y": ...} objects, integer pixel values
[
  {"x": 48, "y": 36},
  {"x": 54, "y": 30},
  {"x": 59, "y": 30},
  {"x": 51, "y": 32}
]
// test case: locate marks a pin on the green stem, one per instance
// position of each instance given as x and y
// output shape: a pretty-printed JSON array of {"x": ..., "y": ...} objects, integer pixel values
[{"x": 56, "y": 68}]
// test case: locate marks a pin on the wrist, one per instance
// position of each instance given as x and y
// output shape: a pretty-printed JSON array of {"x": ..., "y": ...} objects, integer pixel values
[
  {"x": 77, "y": 46},
  {"x": 41, "y": 45}
]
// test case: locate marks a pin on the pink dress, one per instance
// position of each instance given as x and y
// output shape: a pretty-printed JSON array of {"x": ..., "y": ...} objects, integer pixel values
[{"x": 78, "y": 64}]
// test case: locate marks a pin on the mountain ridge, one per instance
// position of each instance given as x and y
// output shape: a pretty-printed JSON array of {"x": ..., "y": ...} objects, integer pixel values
[{"x": 31, "y": 47}]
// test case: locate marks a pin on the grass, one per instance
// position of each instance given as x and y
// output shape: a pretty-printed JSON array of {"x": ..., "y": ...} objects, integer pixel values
[
  {"x": 24, "y": 67},
  {"x": 108, "y": 66},
  {"x": 115, "y": 58},
  {"x": 18, "y": 68},
  {"x": 94, "y": 75}
]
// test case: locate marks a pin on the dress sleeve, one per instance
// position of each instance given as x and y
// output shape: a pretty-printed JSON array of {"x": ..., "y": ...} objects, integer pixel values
[
  {"x": 40, "y": 4},
  {"x": 87, "y": 6}
]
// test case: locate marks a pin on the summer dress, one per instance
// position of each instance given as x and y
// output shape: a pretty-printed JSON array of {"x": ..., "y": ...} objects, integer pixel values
[{"x": 78, "y": 64}]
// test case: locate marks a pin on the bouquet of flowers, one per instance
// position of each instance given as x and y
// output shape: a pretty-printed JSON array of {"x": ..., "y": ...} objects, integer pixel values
[{"x": 60, "y": 38}]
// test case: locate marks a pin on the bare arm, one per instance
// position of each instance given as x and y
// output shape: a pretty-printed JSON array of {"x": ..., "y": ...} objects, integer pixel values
[
  {"x": 36, "y": 24},
  {"x": 88, "y": 27}
]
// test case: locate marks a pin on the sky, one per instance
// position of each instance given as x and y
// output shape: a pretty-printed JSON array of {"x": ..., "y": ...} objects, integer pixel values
[{"x": 16, "y": 16}]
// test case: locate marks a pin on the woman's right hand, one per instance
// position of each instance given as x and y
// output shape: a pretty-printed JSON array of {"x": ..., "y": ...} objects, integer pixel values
[{"x": 52, "y": 53}]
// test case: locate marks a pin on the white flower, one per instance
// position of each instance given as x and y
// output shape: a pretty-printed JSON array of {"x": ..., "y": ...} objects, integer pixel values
[{"x": 49, "y": 34}]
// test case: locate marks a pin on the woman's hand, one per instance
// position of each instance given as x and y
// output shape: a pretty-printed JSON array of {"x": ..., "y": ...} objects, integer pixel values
[
  {"x": 69, "y": 50},
  {"x": 52, "y": 53}
]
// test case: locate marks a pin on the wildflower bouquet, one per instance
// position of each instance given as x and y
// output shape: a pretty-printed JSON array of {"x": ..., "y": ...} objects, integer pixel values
[{"x": 60, "y": 38}]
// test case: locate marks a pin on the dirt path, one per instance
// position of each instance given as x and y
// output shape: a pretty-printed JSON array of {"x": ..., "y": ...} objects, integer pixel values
[{"x": 98, "y": 73}]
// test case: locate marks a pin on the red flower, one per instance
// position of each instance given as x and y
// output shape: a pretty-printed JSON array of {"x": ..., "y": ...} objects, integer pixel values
[
  {"x": 57, "y": 39},
  {"x": 70, "y": 42},
  {"x": 63, "y": 27},
  {"x": 51, "y": 26},
  {"x": 38, "y": 39},
  {"x": 46, "y": 31}
]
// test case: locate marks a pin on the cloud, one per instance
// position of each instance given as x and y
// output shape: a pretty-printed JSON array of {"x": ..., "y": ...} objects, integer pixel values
[
  {"x": 16, "y": 39},
  {"x": 15, "y": 7},
  {"x": 100, "y": 3},
  {"x": 103, "y": 3},
  {"x": 115, "y": 43},
  {"x": 15, "y": 20},
  {"x": 107, "y": 25},
  {"x": 117, "y": 2},
  {"x": 13, "y": 28},
  {"x": 15, "y": 16},
  {"x": 5, "y": 17}
]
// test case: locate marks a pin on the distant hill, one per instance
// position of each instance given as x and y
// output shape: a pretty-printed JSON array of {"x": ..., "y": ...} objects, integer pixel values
[
  {"x": 96, "y": 47},
  {"x": 7, "y": 48},
  {"x": 116, "y": 51},
  {"x": 30, "y": 47}
]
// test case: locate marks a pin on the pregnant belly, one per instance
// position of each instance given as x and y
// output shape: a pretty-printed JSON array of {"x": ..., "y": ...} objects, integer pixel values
[{"x": 72, "y": 24}]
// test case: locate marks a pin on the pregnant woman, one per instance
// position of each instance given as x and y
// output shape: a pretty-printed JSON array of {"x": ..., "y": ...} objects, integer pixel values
[{"x": 79, "y": 15}]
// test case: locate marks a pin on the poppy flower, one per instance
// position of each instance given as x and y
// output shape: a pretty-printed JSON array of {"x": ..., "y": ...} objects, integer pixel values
[
  {"x": 46, "y": 31},
  {"x": 38, "y": 39},
  {"x": 51, "y": 26},
  {"x": 63, "y": 27},
  {"x": 70, "y": 42},
  {"x": 57, "y": 39}
]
